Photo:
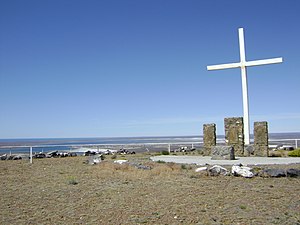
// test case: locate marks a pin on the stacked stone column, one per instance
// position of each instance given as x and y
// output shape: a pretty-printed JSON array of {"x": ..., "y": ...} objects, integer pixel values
[
  {"x": 234, "y": 134},
  {"x": 261, "y": 139},
  {"x": 209, "y": 137}
]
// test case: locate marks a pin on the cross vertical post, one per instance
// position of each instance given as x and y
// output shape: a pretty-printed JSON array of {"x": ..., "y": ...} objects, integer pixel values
[
  {"x": 244, "y": 86},
  {"x": 243, "y": 64}
]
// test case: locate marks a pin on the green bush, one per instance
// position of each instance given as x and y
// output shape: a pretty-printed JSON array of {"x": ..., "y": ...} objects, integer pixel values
[
  {"x": 186, "y": 167},
  {"x": 183, "y": 167},
  {"x": 294, "y": 153},
  {"x": 165, "y": 153},
  {"x": 243, "y": 207},
  {"x": 72, "y": 181}
]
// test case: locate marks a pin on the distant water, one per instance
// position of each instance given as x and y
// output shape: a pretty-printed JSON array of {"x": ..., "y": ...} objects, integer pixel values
[
  {"x": 113, "y": 140},
  {"x": 68, "y": 142}
]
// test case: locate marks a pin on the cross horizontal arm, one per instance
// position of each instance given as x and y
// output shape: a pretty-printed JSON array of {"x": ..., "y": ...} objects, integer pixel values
[
  {"x": 224, "y": 66},
  {"x": 263, "y": 62},
  {"x": 249, "y": 63}
]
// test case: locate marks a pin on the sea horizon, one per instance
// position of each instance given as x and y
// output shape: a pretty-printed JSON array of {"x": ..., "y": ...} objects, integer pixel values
[{"x": 126, "y": 139}]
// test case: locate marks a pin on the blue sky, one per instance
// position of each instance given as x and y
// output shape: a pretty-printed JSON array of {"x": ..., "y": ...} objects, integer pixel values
[{"x": 138, "y": 67}]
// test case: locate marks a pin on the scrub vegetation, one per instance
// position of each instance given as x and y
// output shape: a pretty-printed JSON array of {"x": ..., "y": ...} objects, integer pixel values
[{"x": 68, "y": 191}]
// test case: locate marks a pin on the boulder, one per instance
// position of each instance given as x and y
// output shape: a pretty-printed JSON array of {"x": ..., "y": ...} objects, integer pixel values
[
  {"x": 140, "y": 166},
  {"x": 10, "y": 157},
  {"x": 17, "y": 157},
  {"x": 293, "y": 173},
  {"x": 89, "y": 153},
  {"x": 72, "y": 154},
  {"x": 3, "y": 157},
  {"x": 63, "y": 154},
  {"x": 143, "y": 167},
  {"x": 53, "y": 153},
  {"x": 94, "y": 159},
  {"x": 274, "y": 173},
  {"x": 200, "y": 169},
  {"x": 249, "y": 150},
  {"x": 120, "y": 161},
  {"x": 40, "y": 155},
  {"x": 244, "y": 171},
  {"x": 217, "y": 170},
  {"x": 222, "y": 152}
]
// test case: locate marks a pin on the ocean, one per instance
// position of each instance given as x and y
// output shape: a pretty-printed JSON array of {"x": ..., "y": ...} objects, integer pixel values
[{"x": 65, "y": 144}]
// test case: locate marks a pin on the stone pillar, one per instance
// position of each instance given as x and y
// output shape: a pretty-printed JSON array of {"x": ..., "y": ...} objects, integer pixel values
[
  {"x": 234, "y": 134},
  {"x": 261, "y": 139},
  {"x": 209, "y": 137}
]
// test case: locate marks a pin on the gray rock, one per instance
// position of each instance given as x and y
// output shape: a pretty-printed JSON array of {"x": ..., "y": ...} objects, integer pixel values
[
  {"x": 217, "y": 170},
  {"x": 53, "y": 153},
  {"x": 17, "y": 157},
  {"x": 3, "y": 157},
  {"x": 10, "y": 157},
  {"x": 293, "y": 173},
  {"x": 249, "y": 150},
  {"x": 140, "y": 166},
  {"x": 222, "y": 152},
  {"x": 274, "y": 173},
  {"x": 40, "y": 155},
  {"x": 94, "y": 159}
]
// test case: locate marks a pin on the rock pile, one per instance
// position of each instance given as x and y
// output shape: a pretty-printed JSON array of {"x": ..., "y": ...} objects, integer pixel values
[
  {"x": 280, "y": 173},
  {"x": 247, "y": 172}
]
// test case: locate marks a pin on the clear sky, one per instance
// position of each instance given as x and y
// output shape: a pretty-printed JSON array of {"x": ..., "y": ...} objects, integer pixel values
[{"x": 101, "y": 68}]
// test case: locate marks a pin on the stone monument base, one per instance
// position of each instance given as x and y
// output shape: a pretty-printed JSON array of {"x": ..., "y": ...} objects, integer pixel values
[{"x": 222, "y": 152}]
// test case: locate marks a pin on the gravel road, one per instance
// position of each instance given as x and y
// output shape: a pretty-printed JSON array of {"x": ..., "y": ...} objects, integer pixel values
[{"x": 203, "y": 160}]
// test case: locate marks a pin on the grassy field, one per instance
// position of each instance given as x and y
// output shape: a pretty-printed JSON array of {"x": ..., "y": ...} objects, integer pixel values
[{"x": 67, "y": 191}]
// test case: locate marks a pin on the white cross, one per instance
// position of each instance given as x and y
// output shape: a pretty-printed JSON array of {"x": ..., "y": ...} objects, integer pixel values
[{"x": 243, "y": 64}]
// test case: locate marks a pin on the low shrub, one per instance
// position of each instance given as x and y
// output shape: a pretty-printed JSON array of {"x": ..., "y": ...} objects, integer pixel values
[
  {"x": 294, "y": 153},
  {"x": 183, "y": 166},
  {"x": 276, "y": 154},
  {"x": 173, "y": 166},
  {"x": 72, "y": 181},
  {"x": 243, "y": 207},
  {"x": 194, "y": 176},
  {"x": 165, "y": 152}
]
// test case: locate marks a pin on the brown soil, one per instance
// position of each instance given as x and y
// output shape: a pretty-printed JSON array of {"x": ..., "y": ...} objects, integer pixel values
[{"x": 67, "y": 191}]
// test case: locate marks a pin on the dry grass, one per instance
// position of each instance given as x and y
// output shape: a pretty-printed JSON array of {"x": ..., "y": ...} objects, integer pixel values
[
  {"x": 66, "y": 191},
  {"x": 278, "y": 153}
]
